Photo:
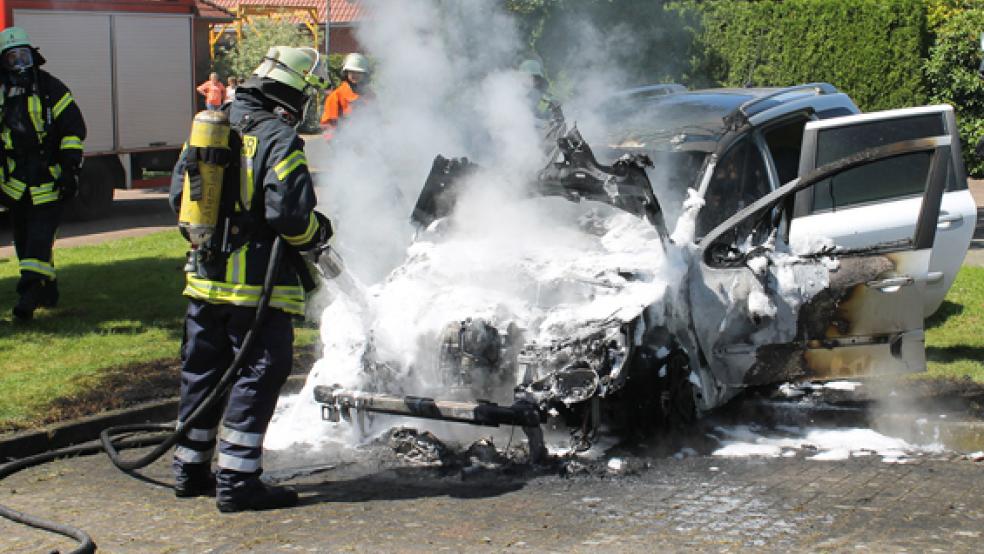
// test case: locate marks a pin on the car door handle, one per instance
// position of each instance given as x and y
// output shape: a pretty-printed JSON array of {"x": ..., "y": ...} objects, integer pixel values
[
  {"x": 891, "y": 284},
  {"x": 948, "y": 220}
]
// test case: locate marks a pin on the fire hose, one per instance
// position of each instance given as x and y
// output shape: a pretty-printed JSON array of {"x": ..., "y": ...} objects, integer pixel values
[{"x": 173, "y": 431}]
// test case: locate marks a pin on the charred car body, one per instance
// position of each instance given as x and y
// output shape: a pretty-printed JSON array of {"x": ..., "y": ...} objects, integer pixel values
[{"x": 764, "y": 301}]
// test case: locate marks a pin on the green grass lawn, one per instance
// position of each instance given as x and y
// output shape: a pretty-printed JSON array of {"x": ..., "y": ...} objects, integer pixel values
[
  {"x": 955, "y": 333},
  {"x": 121, "y": 305}
]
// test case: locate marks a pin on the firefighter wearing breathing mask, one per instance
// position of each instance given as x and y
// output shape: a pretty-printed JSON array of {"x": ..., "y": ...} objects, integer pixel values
[
  {"x": 267, "y": 191},
  {"x": 42, "y": 132},
  {"x": 546, "y": 108}
]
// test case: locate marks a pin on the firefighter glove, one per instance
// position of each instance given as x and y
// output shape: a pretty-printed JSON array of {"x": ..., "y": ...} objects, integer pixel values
[
  {"x": 324, "y": 231},
  {"x": 68, "y": 185}
]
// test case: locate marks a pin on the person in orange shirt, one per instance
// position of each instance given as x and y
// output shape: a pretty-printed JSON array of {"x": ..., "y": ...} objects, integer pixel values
[
  {"x": 339, "y": 103},
  {"x": 214, "y": 92}
]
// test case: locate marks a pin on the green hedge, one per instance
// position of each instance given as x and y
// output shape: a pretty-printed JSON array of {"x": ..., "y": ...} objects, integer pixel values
[
  {"x": 871, "y": 49},
  {"x": 951, "y": 78}
]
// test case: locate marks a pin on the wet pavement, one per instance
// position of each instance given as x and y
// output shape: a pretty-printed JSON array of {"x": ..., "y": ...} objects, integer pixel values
[{"x": 370, "y": 500}]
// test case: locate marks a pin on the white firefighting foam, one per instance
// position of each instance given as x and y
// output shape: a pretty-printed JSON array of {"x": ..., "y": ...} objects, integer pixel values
[
  {"x": 547, "y": 265},
  {"x": 822, "y": 444}
]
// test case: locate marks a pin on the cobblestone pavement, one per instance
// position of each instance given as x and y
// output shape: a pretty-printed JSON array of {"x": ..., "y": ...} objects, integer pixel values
[{"x": 703, "y": 503}]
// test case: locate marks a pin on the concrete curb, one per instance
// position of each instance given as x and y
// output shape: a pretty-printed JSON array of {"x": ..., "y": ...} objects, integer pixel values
[{"x": 85, "y": 429}]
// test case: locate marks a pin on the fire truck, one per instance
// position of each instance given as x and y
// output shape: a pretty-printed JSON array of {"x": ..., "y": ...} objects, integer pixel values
[{"x": 130, "y": 65}]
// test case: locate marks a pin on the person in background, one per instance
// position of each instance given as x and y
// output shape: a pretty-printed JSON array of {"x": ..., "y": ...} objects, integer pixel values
[
  {"x": 42, "y": 131},
  {"x": 338, "y": 104},
  {"x": 230, "y": 93},
  {"x": 545, "y": 107},
  {"x": 213, "y": 91}
]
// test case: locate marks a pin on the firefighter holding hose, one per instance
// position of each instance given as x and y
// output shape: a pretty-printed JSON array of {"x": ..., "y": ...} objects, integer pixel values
[
  {"x": 42, "y": 132},
  {"x": 236, "y": 193}
]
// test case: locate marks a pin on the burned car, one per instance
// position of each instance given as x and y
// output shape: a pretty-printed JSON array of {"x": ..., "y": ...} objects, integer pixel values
[{"x": 809, "y": 243}]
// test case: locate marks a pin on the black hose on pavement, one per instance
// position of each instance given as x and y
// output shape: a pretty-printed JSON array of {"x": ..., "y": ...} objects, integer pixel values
[{"x": 164, "y": 443}]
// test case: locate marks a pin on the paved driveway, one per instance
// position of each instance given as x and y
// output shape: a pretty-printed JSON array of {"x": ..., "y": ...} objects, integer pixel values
[
  {"x": 372, "y": 502},
  {"x": 134, "y": 213}
]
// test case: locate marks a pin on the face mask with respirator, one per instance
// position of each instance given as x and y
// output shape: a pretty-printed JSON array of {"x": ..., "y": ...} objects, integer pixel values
[{"x": 18, "y": 66}]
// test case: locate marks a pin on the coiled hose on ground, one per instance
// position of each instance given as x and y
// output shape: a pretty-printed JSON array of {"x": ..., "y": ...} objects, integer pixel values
[{"x": 164, "y": 442}]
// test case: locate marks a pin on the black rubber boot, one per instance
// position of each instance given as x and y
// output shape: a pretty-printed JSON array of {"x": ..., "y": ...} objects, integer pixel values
[
  {"x": 49, "y": 294},
  {"x": 254, "y": 495},
  {"x": 27, "y": 303},
  {"x": 194, "y": 481}
]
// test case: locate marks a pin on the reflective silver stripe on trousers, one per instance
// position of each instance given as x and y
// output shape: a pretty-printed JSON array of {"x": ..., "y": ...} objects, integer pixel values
[
  {"x": 235, "y": 463},
  {"x": 242, "y": 438},
  {"x": 191, "y": 456},
  {"x": 201, "y": 435}
]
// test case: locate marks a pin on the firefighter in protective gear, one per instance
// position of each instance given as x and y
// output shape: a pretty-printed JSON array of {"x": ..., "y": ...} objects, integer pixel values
[
  {"x": 546, "y": 108},
  {"x": 267, "y": 192},
  {"x": 338, "y": 104},
  {"x": 42, "y": 132}
]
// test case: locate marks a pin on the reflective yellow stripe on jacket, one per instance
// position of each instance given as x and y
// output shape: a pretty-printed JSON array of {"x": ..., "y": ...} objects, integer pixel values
[
  {"x": 35, "y": 111},
  {"x": 289, "y": 164},
  {"x": 37, "y": 266},
  {"x": 60, "y": 106},
  {"x": 307, "y": 235},
  {"x": 14, "y": 188},
  {"x": 71, "y": 142},
  {"x": 287, "y": 298},
  {"x": 42, "y": 194}
]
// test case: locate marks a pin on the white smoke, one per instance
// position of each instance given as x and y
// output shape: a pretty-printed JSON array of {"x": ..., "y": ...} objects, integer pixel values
[{"x": 445, "y": 83}]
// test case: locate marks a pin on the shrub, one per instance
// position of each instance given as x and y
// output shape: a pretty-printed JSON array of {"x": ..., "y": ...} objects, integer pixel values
[
  {"x": 951, "y": 77},
  {"x": 870, "y": 49}
]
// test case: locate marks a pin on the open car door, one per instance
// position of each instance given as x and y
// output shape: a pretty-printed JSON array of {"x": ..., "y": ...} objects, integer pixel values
[
  {"x": 881, "y": 203},
  {"x": 764, "y": 316}
]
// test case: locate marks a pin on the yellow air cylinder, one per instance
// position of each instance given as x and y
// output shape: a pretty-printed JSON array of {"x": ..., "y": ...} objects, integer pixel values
[{"x": 199, "y": 212}]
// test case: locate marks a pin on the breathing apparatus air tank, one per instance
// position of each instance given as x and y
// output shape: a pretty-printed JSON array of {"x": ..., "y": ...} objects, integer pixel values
[{"x": 207, "y": 157}]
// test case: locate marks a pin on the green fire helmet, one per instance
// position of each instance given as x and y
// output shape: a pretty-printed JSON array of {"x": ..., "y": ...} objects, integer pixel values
[
  {"x": 532, "y": 67},
  {"x": 299, "y": 68},
  {"x": 356, "y": 62},
  {"x": 12, "y": 37}
]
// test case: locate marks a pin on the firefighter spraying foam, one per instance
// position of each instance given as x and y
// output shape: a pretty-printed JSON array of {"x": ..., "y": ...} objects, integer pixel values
[
  {"x": 235, "y": 209},
  {"x": 42, "y": 132}
]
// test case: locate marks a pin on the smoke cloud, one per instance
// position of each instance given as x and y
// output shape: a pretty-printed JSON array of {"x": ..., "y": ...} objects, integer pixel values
[{"x": 445, "y": 82}]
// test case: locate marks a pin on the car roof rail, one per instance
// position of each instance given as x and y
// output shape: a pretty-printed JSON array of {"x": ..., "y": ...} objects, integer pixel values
[{"x": 818, "y": 89}]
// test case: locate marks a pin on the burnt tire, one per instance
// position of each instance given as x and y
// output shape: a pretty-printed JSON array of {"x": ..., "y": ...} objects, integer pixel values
[{"x": 96, "y": 184}]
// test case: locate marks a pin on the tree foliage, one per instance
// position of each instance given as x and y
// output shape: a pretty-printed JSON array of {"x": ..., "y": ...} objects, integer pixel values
[
  {"x": 640, "y": 41},
  {"x": 242, "y": 57},
  {"x": 951, "y": 77}
]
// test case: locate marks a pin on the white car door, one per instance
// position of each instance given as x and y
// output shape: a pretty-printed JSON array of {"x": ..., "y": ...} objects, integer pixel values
[
  {"x": 764, "y": 316},
  {"x": 875, "y": 206}
]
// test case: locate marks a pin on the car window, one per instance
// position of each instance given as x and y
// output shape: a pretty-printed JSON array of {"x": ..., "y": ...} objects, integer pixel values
[
  {"x": 784, "y": 143},
  {"x": 896, "y": 177},
  {"x": 886, "y": 180},
  {"x": 834, "y": 143},
  {"x": 740, "y": 178}
]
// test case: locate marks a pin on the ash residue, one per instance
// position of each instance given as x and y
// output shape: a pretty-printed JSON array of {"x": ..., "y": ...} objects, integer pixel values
[{"x": 483, "y": 457}]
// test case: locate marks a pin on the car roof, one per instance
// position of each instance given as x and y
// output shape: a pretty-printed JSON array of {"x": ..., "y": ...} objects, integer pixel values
[{"x": 691, "y": 120}]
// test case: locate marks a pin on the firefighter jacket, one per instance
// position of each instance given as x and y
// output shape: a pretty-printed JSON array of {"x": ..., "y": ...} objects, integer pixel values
[
  {"x": 270, "y": 193},
  {"x": 547, "y": 108},
  {"x": 42, "y": 132},
  {"x": 338, "y": 104}
]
